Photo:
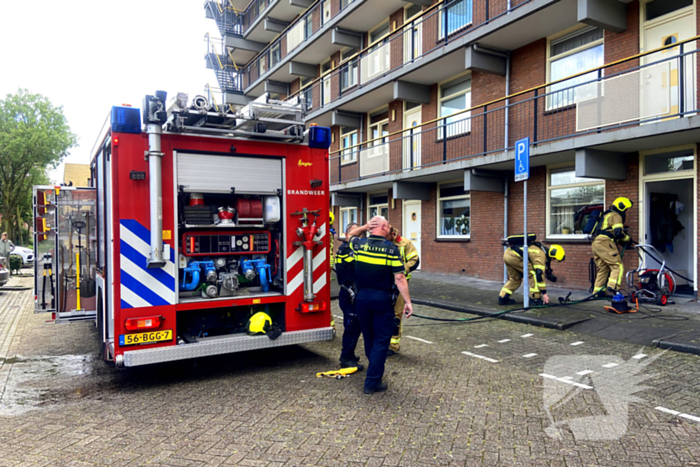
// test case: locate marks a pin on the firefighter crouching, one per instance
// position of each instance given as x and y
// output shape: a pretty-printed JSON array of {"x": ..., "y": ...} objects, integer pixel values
[
  {"x": 345, "y": 273},
  {"x": 539, "y": 258},
  {"x": 409, "y": 256},
  {"x": 378, "y": 267},
  {"x": 608, "y": 234}
]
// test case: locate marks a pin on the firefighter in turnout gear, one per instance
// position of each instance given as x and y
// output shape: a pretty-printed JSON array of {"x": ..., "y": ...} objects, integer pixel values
[
  {"x": 610, "y": 232},
  {"x": 409, "y": 256},
  {"x": 379, "y": 271},
  {"x": 345, "y": 273},
  {"x": 540, "y": 258}
]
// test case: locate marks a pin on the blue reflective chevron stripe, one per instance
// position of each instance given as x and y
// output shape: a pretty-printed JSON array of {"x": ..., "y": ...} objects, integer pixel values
[
  {"x": 137, "y": 229},
  {"x": 141, "y": 290},
  {"x": 142, "y": 262}
]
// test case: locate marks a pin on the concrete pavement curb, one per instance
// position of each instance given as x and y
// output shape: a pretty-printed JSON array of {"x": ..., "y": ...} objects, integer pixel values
[{"x": 676, "y": 346}]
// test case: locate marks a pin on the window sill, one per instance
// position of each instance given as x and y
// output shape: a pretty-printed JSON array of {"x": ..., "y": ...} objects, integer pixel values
[
  {"x": 452, "y": 240},
  {"x": 342, "y": 164},
  {"x": 567, "y": 239}
]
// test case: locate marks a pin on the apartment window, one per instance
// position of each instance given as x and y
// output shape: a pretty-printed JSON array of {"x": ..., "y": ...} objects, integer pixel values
[
  {"x": 676, "y": 161},
  {"x": 261, "y": 65},
  {"x": 454, "y": 217},
  {"x": 378, "y": 127},
  {"x": 379, "y": 33},
  {"x": 664, "y": 7},
  {"x": 308, "y": 26},
  {"x": 455, "y": 97},
  {"x": 378, "y": 205},
  {"x": 308, "y": 92},
  {"x": 348, "y": 75},
  {"x": 345, "y": 3},
  {"x": 348, "y": 139},
  {"x": 347, "y": 215},
  {"x": 569, "y": 55},
  {"x": 459, "y": 15},
  {"x": 412, "y": 10},
  {"x": 571, "y": 201},
  {"x": 275, "y": 54}
]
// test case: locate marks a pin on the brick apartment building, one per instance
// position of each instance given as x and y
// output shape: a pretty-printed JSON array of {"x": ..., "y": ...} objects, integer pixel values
[{"x": 427, "y": 99}]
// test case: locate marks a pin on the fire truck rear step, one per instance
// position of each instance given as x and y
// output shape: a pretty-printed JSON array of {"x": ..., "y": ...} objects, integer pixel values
[{"x": 219, "y": 345}]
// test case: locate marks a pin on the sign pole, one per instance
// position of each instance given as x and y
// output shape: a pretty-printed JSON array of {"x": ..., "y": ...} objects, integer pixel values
[
  {"x": 526, "y": 264},
  {"x": 522, "y": 173}
]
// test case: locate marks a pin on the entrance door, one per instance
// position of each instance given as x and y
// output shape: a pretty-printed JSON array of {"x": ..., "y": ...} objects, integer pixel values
[
  {"x": 326, "y": 12},
  {"x": 412, "y": 223},
  {"x": 411, "y": 142},
  {"x": 661, "y": 82},
  {"x": 668, "y": 209}
]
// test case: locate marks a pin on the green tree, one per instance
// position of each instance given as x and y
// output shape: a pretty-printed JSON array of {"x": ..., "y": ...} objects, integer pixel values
[{"x": 34, "y": 137}]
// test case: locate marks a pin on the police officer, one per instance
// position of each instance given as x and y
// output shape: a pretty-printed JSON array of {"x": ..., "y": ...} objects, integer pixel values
[
  {"x": 345, "y": 273},
  {"x": 409, "y": 256},
  {"x": 378, "y": 267},
  {"x": 539, "y": 257},
  {"x": 610, "y": 233}
]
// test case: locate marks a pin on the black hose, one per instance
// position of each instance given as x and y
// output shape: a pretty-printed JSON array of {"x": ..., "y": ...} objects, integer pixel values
[{"x": 660, "y": 262}]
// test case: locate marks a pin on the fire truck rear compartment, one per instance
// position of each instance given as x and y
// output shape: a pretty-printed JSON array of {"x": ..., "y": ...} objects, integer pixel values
[
  {"x": 230, "y": 238},
  {"x": 198, "y": 325}
]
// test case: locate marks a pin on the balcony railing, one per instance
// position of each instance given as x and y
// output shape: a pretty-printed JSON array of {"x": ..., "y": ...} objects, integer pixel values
[
  {"x": 409, "y": 43},
  {"x": 225, "y": 68},
  {"x": 298, "y": 32},
  {"x": 232, "y": 21},
  {"x": 636, "y": 91}
]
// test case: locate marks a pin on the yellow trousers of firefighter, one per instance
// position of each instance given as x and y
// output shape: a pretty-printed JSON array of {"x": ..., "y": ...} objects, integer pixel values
[
  {"x": 514, "y": 269},
  {"x": 608, "y": 264},
  {"x": 395, "y": 342}
]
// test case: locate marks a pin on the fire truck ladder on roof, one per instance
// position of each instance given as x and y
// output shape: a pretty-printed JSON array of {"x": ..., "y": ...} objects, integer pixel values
[{"x": 263, "y": 118}]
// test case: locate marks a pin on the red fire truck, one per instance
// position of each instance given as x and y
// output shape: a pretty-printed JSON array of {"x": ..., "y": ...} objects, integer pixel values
[{"x": 198, "y": 217}]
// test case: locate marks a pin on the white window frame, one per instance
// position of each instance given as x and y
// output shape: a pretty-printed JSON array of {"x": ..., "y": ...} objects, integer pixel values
[
  {"x": 441, "y": 17},
  {"x": 272, "y": 52},
  {"x": 573, "y": 32},
  {"x": 308, "y": 90},
  {"x": 342, "y": 225},
  {"x": 350, "y": 67},
  {"x": 370, "y": 126},
  {"x": 352, "y": 152},
  {"x": 261, "y": 65},
  {"x": 438, "y": 211},
  {"x": 377, "y": 206},
  {"x": 453, "y": 130},
  {"x": 559, "y": 167}
]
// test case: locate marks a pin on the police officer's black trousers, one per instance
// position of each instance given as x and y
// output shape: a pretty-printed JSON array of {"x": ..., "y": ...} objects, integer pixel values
[
  {"x": 376, "y": 312},
  {"x": 351, "y": 323}
]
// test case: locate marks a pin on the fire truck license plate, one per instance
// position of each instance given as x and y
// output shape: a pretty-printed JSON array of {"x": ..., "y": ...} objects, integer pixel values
[{"x": 146, "y": 337}]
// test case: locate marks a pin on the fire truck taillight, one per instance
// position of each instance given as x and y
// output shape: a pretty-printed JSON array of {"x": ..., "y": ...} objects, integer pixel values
[
  {"x": 313, "y": 307},
  {"x": 137, "y": 324}
]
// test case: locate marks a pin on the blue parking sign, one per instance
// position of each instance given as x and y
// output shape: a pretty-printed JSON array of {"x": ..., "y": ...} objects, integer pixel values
[{"x": 522, "y": 159}]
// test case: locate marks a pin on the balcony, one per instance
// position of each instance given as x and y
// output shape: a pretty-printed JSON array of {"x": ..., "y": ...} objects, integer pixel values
[
  {"x": 620, "y": 108},
  {"x": 314, "y": 37},
  {"x": 421, "y": 53}
]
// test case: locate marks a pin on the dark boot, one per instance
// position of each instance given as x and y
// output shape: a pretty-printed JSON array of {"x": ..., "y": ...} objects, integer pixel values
[
  {"x": 506, "y": 300},
  {"x": 600, "y": 294},
  {"x": 536, "y": 302},
  {"x": 352, "y": 364},
  {"x": 381, "y": 387}
]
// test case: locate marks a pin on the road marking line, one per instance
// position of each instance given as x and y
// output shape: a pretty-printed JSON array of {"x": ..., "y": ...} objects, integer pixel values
[
  {"x": 469, "y": 354},
  {"x": 480, "y": 346},
  {"x": 690, "y": 417},
  {"x": 529, "y": 355},
  {"x": 570, "y": 378},
  {"x": 339, "y": 317},
  {"x": 503, "y": 341},
  {"x": 563, "y": 380},
  {"x": 639, "y": 356},
  {"x": 664, "y": 409},
  {"x": 527, "y": 335},
  {"x": 610, "y": 365},
  {"x": 419, "y": 339},
  {"x": 574, "y": 344},
  {"x": 585, "y": 372}
]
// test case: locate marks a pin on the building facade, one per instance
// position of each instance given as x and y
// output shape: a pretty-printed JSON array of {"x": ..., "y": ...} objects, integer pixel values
[{"x": 427, "y": 99}]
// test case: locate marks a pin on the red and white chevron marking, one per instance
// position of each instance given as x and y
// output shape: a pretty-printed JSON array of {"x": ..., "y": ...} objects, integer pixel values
[{"x": 295, "y": 267}]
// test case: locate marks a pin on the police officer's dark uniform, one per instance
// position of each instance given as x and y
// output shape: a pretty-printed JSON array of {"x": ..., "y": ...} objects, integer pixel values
[
  {"x": 345, "y": 273},
  {"x": 376, "y": 262}
]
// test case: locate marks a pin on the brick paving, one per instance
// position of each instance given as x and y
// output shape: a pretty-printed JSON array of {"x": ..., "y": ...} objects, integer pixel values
[{"x": 61, "y": 406}]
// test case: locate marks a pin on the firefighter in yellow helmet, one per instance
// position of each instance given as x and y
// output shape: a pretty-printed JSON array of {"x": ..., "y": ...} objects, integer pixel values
[
  {"x": 610, "y": 233},
  {"x": 409, "y": 256},
  {"x": 540, "y": 258}
]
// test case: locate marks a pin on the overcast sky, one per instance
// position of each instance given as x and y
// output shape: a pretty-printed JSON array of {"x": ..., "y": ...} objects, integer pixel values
[{"x": 89, "y": 55}]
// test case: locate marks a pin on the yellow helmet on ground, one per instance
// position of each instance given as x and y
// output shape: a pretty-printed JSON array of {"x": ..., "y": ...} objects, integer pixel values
[
  {"x": 557, "y": 252},
  {"x": 259, "y": 323},
  {"x": 622, "y": 204},
  {"x": 331, "y": 216}
]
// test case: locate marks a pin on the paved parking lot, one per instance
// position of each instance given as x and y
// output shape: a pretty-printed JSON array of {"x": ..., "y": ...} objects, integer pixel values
[{"x": 459, "y": 394}]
